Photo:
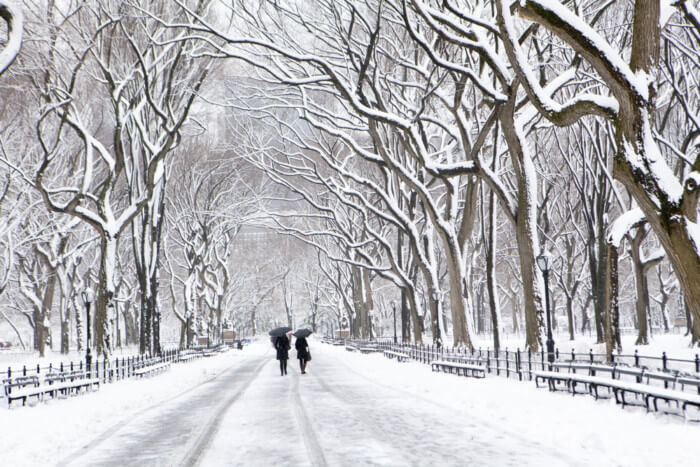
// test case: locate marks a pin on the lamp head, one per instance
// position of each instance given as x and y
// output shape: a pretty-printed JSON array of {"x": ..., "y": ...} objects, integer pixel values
[
  {"x": 87, "y": 296},
  {"x": 543, "y": 261}
]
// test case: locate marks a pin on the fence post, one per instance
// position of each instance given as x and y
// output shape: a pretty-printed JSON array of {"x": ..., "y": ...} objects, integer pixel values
[
  {"x": 590, "y": 352},
  {"x": 636, "y": 358},
  {"x": 38, "y": 369},
  {"x": 556, "y": 354},
  {"x": 529, "y": 363},
  {"x": 573, "y": 355},
  {"x": 24, "y": 370},
  {"x": 507, "y": 365},
  {"x": 542, "y": 355},
  {"x": 664, "y": 361},
  {"x": 9, "y": 371},
  {"x": 517, "y": 364},
  {"x": 488, "y": 363},
  {"x": 697, "y": 363}
]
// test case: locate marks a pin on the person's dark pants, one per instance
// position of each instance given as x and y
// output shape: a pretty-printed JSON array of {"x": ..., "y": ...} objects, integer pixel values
[
  {"x": 283, "y": 367},
  {"x": 302, "y": 365}
]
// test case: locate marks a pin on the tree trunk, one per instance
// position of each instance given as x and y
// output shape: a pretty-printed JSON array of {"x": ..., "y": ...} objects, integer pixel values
[
  {"x": 640, "y": 279},
  {"x": 105, "y": 294},
  {"x": 491, "y": 274},
  {"x": 526, "y": 227},
  {"x": 612, "y": 314}
]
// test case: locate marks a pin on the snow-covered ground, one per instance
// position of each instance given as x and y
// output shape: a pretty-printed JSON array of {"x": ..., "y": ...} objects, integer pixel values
[{"x": 349, "y": 409}]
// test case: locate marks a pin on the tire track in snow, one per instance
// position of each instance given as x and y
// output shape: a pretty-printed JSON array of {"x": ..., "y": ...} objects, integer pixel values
[
  {"x": 378, "y": 432},
  {"x": 313, "y": 447},
  {"x": 108, "y": 433},
  {"x": 198, "y": 437},
  {"x": 208, "y": 431}
]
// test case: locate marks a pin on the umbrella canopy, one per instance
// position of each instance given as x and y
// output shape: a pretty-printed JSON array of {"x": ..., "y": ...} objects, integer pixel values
[
  {"x": 277, "y": 332},
  {"x": 304, "y": 332}
]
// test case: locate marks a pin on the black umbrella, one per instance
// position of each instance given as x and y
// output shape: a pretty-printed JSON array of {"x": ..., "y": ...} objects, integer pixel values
[
  {"x": 304, "y": 332},
  {"x": 277, "y": 332}
]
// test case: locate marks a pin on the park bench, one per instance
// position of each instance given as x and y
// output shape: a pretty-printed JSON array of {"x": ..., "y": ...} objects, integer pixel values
[
  {"x": 648, "y": 393},
  {"x": 591, "y": 368},
  {"x": 66, "y": 382},
  {"x": 351, "y": 348},
  {"x": 187, "y": 357},
  {"x": 465, "y": 368},
  {"x": 22, "y": 387},
  {"x": 552, "y": 378},
  {"x": 368, "y": 349},
  {"x": 401, "y": 357},
  {"x": 688, "y": 380},
  {"x": 151, "y": 369}
]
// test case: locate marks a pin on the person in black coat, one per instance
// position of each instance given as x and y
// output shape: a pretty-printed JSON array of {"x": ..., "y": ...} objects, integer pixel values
[
  {"x": 303, "y": 353},
  {"x": 282, "y": 346}
]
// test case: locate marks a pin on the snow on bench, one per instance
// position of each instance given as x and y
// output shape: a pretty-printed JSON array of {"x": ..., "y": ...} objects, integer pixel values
[
  {"x": 466, "y": 368},
  {"x": 620, "y": 389},
  {"x": 152, "y": 369},
  {"x": 66, "y": 387},
  {"x": 592, "y": 368},
  {"x": 368, "y": 349},
  {"x": 401, "y": 357},
  {"x": 189, "y": 356},
  {"x": 21, "y": 387},
  {"x": 24, "y": 387}
]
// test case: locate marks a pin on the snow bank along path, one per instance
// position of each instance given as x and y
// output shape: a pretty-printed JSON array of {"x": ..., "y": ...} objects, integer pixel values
[{"x": 349, "y": 409}]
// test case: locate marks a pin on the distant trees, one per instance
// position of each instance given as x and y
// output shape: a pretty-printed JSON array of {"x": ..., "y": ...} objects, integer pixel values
[{"x": 426, "y": 151}]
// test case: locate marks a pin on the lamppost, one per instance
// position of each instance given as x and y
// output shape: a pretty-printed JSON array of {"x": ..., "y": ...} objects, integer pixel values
[
  {"x": 543, "y": 264},
  {"x": 393, "y": 307},
  {"x": 187, "y": 330},
  {"x": 87, "y": 296},
  {"x": 436, "y": 298}
]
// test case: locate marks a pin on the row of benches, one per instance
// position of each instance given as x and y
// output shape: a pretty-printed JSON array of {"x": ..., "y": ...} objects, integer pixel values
[
  {"x": 670, "y": 379},
  {"x": 24, "y": 387},
  {"x": 64, "y": 383},
  {"x": 649, "y": 394}
]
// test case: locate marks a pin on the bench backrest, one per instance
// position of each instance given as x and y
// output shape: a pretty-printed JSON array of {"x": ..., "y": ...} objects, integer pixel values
[{"x": 19, "y": 382}]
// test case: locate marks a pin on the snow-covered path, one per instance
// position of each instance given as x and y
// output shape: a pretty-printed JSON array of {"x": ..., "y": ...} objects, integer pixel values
[
  {"x": 336, "y": 415},
  {"x": 349, "y": 409},
  {"x": 176, "y": 431}
]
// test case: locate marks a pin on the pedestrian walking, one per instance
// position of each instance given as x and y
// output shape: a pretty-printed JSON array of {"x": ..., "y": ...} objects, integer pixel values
[
  {"x": 303, "y": 353},
  {"x": 282, "y": 346}
]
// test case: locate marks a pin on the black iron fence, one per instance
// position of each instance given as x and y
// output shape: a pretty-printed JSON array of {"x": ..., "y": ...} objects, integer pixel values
[
  {"x": 522, "y": 363},
  {"x": 106, "y": 370}
]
